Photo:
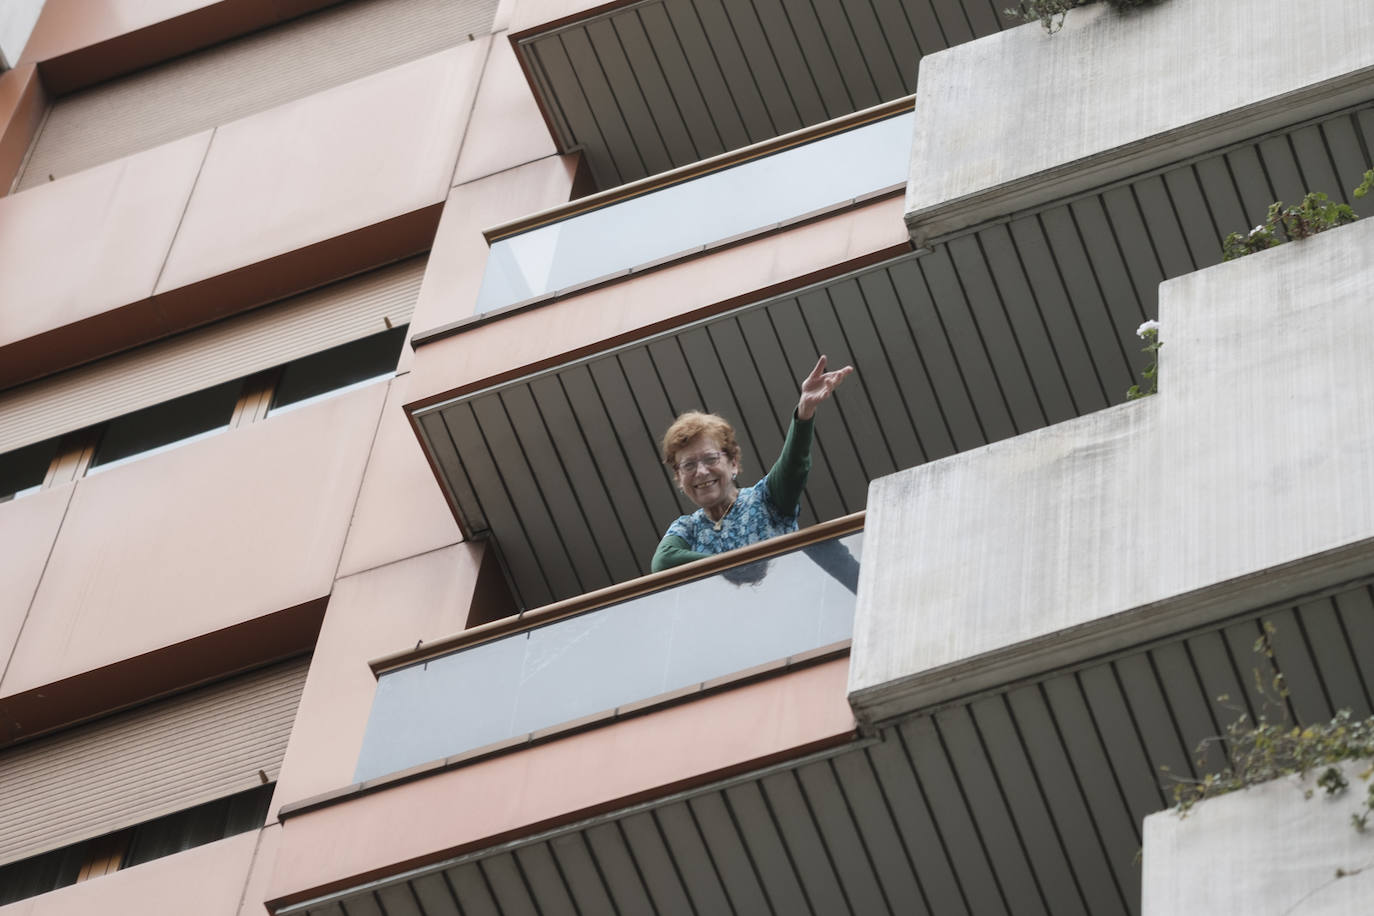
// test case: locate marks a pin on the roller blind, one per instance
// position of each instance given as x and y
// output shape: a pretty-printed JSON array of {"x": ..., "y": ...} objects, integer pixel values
[
  {"x": 230, "y": 349},
  {"x": 138, "y": 765},
  {"x": 244, "y": 76}
]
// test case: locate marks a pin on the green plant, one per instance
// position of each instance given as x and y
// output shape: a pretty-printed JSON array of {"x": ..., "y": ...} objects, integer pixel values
[
  {"x": 1366, "y": 185},
  {"x": 1272, "y": 748},
  {"x": 1148, "y": 332},
  {"x": 1316, "y": 213},
  {"x": 1051, "y": 13}
]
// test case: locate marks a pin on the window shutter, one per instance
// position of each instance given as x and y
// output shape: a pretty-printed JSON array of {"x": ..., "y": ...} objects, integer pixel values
[
  {"x": 230, "y": 349},
  {"x": 157, "y": 759}
]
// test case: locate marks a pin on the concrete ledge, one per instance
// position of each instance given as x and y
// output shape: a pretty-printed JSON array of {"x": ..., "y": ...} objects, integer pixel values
[
  {"x": 1021, "y": 118},
  {"x": 78, "y": 44},
  {"x": 1265, "y": 850},
  {"x": 1248, "y": 479}
]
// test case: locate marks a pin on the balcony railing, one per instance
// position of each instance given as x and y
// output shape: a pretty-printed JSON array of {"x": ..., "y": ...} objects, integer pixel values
[
  {"x": 742, "y": 193},
  {"x": 624, "y": 645}
]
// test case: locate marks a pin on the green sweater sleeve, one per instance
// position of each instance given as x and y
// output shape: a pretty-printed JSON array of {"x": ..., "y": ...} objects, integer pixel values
[
  {"x": 787, "y": 478},
  {"x": 672, "y": 551}
]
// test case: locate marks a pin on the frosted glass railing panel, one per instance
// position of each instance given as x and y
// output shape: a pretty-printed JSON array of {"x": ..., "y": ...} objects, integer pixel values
[
  {"x": 683, "y": 217},
  {"x": 597, "y": 661}
]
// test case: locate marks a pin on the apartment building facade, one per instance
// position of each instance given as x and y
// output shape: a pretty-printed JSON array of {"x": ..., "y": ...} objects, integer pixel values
[{"x": 335, "y": 337}]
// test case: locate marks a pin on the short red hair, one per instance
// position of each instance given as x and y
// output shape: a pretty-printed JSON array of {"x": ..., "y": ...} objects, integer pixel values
[{"x": 695, "y": 423}]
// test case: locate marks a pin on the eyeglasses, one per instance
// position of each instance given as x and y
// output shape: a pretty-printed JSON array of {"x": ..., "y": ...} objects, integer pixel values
[{"x": 707, "y": 460}]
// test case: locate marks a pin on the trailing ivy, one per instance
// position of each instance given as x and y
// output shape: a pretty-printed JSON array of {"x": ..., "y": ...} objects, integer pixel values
[{"x": 1272, "y": 748}]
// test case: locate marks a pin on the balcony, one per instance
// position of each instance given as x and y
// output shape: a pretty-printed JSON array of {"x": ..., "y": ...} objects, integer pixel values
[
  {"x": 1246, "y": 481},
  {"x": 1015, "y": 325},
  {"x": 1025, "y": 798},
  {"x": 646, "y": 87},
  {"x": 673, "y": 637},
  {"x": 1116, "y": 94},
  {"x": 697, "y": 208}
]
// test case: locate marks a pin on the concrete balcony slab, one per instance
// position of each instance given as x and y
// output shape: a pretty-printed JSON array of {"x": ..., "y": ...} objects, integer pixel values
[
  {"x": 1022, "y": 117},
  {"x": 1249, "y": 477}
]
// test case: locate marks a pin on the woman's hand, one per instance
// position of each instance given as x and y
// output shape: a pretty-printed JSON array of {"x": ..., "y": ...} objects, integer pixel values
[{"x": 817, "y": 386}]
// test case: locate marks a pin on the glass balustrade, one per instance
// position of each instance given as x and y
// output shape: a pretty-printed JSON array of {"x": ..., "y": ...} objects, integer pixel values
[
  {"x": 637, "y": 649},
  {"x": 684, "y": 217}
]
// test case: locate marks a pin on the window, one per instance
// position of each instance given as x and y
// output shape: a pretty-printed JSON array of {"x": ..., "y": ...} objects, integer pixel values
[
  {"x": 163, "y": 836},
  {"x": 144, "y": 782},
  {"x": 339, "y": 368},
  {"x": 168, "y": 423},
  {"x": 23, "y": 470},
  {"x": 211, "y": 410}
]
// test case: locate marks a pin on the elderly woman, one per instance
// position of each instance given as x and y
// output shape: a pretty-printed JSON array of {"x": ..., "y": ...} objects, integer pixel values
[{"x": 702, "y": 451}]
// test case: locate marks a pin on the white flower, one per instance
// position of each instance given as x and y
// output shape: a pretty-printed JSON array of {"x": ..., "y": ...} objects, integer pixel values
[
  {"x": 1146, "y": 328},
  {"x": 1257, "y": 230}
]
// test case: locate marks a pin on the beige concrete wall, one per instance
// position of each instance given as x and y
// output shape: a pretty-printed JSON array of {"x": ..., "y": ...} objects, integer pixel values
[
  {"x": 371, "y": 614},
  {"x": 459, "y": 258},
  {"x": 78, "y": 43},
  {"x": 400, "y": 510},
  {"x": 260, "y": 872},
  {"x": 23, "y": 104},
  {"x": 320, "y": 167},
  {"x": 196, "y": 539},
  {"x": 536, "y": 14},
  {"x": 28, "y": 528},
  {"x": 71, "y": 284},
  {"x": 226, "y": 220},
  {"x": 67, "y": 25},
  {"x": 507, "y": 128}
]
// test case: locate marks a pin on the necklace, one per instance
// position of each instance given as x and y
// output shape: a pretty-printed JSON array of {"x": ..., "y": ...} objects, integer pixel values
[{"x": 720, "y": 521}]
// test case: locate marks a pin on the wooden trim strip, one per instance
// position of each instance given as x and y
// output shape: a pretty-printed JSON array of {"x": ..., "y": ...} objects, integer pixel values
[
  {"x": 622, "y": 591},
  {"x": 698, "y": 169}
]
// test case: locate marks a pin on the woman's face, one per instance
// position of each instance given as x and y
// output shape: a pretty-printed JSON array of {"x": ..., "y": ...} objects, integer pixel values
[{"x": 704, "y": 472}]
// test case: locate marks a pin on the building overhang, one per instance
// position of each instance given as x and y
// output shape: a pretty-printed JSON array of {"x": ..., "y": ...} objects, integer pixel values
[
  {"x": 645, "y": 86},
  {"x": 981, "y": 151}
]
